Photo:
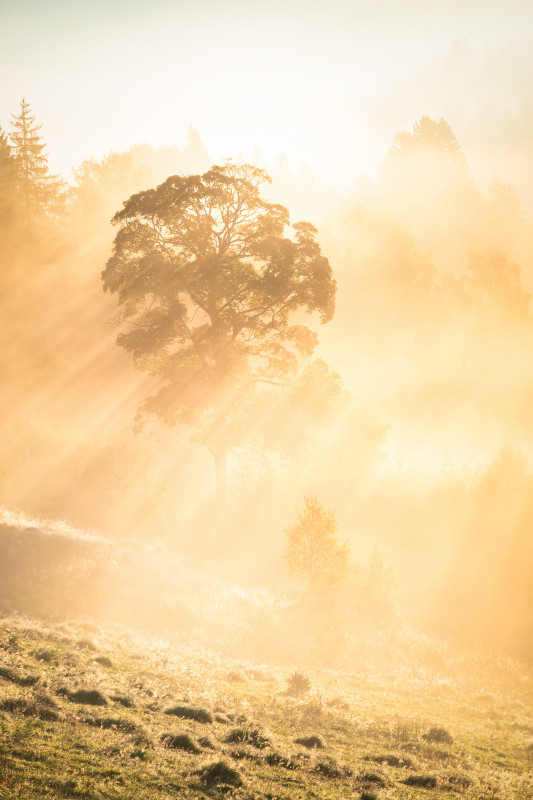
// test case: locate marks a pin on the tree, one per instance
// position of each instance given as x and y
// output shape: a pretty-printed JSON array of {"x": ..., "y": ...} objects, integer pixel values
[
  {"x": 313, "y": 550},
  {"x": 209, "y": 284},
  {"x": 9, "y": 175},
  {"x": 39, "y": 189}
]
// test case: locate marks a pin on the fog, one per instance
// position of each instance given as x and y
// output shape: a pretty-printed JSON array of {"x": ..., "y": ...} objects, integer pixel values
[{"x": 411, "y": 420}]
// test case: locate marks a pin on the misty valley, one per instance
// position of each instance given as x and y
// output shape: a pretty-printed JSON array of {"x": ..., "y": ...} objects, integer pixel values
[{"x": 266, "y": 490}]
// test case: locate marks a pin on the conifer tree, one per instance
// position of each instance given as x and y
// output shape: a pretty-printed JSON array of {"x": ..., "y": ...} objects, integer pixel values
[
  {"x": 39, "y": 189},
  {"x": 9, "y": 180}
]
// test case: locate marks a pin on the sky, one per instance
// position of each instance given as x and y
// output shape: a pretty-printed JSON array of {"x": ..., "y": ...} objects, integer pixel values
[{"x": 328, "y": 84}]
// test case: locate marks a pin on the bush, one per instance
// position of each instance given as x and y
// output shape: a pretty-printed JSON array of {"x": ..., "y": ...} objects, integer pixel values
[
  {"x": 252, "y": 736},
  {"x": 278, "y": 760},
  {"x": 311, "y": 741},
  {"x": 21, "y": 680},
  {"x": 439, "y": 735},
  {"x": 90, "y": 697},
  {"x": 112, "y": 723},
  {"x": 298, "y": 684},
  {"x": 208, "y": 743},
  {"x": 104, "y": 661},
  {"x": 183, "y": 741},
  {"x": 377, "y": 778},
  {"x": 392, "y": 760},
  {"x": 127, "y": 702},
  {"x": 222, "y": 719},
  {"x": 191, "y": 712},
  {"x": 330, "y": 768},
  {"x": 425, "y": 781},
  {"x": 220, "y": 772},
  {"x": 30, "y": 708}
]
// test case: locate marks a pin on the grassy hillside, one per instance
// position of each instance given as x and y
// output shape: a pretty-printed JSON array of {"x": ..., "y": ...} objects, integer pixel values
[{"x": 98, "y": 712}]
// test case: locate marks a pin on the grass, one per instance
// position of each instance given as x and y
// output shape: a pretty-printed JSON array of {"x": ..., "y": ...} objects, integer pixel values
[{"x": 375, "y": 746}]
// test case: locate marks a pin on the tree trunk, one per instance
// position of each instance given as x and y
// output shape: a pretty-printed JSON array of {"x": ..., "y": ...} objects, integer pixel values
[{"x": 221, "y": 458}]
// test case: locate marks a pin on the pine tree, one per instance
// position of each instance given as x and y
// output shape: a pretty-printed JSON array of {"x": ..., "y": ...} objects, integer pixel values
[
  {"x": 9, "y": 181},
  {"x": 39, "y": 189}
]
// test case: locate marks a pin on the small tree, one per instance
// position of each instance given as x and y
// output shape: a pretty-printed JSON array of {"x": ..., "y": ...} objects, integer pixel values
[{"x": 313, "y": 551}]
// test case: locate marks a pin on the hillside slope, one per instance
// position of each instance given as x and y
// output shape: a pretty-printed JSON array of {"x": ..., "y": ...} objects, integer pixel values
[{"x": 95, "y": 712}]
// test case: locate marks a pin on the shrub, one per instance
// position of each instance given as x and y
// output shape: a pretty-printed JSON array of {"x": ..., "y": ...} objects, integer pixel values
[
  {"x": 330, "y": 768},
  {"x": 183, "y": 741},
  {"x": 20, "y": 680},
  {"x": 439, "y": 735},
  {"x": 392, "y": 760},
  {"x": 245, "y": 751},
  {"x": 278, "y": 760},
  {"x": 311, "y": 741},
  {"x": 86, "y": 644},
  {"x": 252, "y": 736},
  {"x": 104, "y": 661},
  {"x": 220, "y": 772},
  {"x": 207, "y": 742},
  {"x": 127, "y": 702},
  {"x": 30, "y": 708},
  {"x": 298, "y": 684},
  {"x": 191, "y": 712},
  {"x": 112, "y": 723},
  {"x": 90, "y": 697},
  {"x": 425, "y": 781},
  {"x": 460, "y": 780},
  {"x": 376, "y": 778},
  {"x": 46, "y": 655}
]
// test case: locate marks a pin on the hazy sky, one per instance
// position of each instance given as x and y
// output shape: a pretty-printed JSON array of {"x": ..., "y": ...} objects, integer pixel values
[{"x": 327, "y": 83}]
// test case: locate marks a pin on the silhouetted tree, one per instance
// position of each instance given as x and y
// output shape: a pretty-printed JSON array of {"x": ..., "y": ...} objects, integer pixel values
[
  {"x": 208, "y": 283},
  {"x": 40, "y": 190},
  {"x": 9, "y": 174},
  {"x": 195, "y": 153},
  {"x": 494, "y": 286}
]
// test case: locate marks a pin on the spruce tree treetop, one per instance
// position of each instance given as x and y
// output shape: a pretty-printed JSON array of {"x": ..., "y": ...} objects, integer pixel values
[
  {"x": 39, "y": 188},
  {"x": 9, "y": 181}
]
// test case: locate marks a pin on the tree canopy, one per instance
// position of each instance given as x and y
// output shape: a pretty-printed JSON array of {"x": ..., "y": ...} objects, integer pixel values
[{"x": 210, "y": 283}]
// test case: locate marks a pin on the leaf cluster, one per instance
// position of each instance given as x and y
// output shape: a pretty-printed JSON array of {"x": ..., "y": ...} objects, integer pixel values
[{"x": 208, "y": 283}]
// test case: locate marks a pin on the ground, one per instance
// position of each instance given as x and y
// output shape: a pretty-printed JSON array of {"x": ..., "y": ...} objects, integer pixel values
[{"x": 84, "y": 714}]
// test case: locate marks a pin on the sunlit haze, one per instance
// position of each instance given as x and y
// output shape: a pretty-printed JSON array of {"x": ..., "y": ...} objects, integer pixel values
[
  {"x": 266, "y": 281},
  {"x": 327, "y": 84}
]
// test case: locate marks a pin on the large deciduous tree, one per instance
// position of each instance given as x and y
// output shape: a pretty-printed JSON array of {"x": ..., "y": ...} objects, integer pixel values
[{"x": 210, "y": 277}]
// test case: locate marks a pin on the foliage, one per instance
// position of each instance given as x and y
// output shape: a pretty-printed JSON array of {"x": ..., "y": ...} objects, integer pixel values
[
  {"x": 40, "y": 190},
  {"x": 191, "y": 712},
  {"x": 440, "y": 735},
  {"x": 182, "y": 741},
  {"x": 220, "y": 772},
  {"x": 9, "y": 182},
  {"x": 252, "y": 736},
  {"x": 298, "y": 683},
  {"x": 208, "y": 284},
  {"x": 313, "y": 551},
  {"x": 315, "y": 741}
]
